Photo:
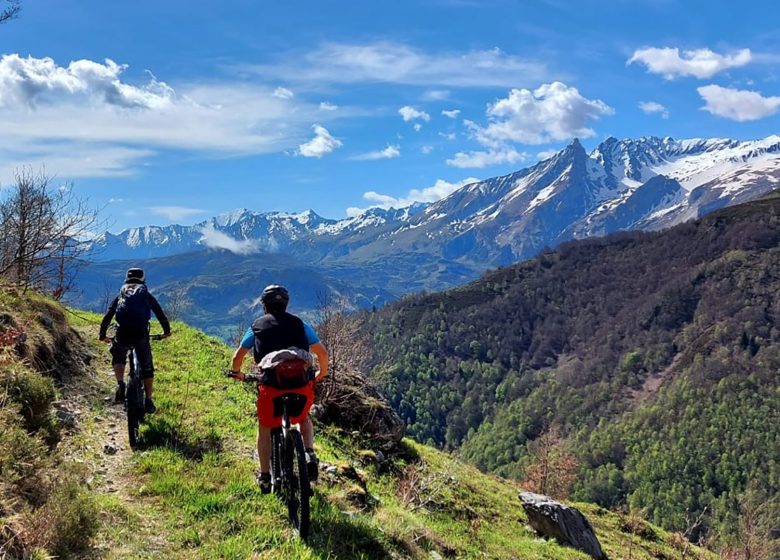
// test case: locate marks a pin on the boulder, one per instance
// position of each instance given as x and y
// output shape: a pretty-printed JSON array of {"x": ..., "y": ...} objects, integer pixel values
[
  {"x": 554, "y": 520},
  {"x": 353, "y": 403}
]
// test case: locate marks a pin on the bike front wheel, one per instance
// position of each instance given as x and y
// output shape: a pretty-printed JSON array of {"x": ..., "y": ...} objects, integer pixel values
[
  {"x": 134, "y": 401},
  {"x": 297, "y": 485}
]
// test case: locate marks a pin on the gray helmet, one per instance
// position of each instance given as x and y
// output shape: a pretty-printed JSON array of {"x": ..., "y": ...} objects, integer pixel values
[
  {"x": 135, "y": 274},
  {"x": 275, "y": 294}
]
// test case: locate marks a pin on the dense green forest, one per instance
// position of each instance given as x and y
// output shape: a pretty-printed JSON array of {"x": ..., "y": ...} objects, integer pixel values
[{"x": 656, "y": 356}]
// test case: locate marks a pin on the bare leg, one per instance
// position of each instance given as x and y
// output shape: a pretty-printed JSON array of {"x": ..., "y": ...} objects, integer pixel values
[
  {"x": 119, "y": 372},
  {"x": 264, "y": 448},
  {"x": 307, "y": 431},
  {"x": 149, "y": 387}
]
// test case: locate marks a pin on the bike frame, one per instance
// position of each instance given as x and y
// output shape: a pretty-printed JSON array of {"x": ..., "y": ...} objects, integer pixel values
[
  {"x": 288, "y": 466},
  {"x": 134, "y": 396}
]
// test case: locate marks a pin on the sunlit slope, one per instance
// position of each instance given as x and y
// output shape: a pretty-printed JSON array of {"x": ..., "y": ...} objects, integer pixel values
[{"x": 195, "y": 474}]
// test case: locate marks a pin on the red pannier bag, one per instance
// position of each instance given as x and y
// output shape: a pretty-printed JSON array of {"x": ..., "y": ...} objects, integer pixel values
[{"x": 289, "y": 377}]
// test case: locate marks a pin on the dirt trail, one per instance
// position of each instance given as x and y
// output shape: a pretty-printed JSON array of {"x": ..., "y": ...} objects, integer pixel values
[{"x": 95, "y": 436}]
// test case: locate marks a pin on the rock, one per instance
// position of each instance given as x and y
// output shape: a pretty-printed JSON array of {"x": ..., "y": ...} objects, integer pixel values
[
  {"x": 317, "y": 411},
  {"x": 66, "y": 418},
  {"x": 110, "y": 449},
  {"x": 367, "y": 457},
  {"x": 380, "y": 457},
  {"x": 565, "y": 524},
  {"x": 352, "y": 403}
]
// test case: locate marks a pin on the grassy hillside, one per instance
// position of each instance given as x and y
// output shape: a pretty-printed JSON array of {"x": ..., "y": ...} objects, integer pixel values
[
  {"x": 189, "y": 492},
  {"x": 656, "y": 355},
  {"x": 44, "y": 508}
]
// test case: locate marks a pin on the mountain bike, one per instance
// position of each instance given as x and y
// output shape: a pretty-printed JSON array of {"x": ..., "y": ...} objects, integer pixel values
[
  {"x": 134, "y": 394},
  {"x": 288, "y": 459}
]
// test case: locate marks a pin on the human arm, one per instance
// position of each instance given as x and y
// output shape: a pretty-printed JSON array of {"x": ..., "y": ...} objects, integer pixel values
[
  {"x": 247, "y": 343},
  {"x": 160, "y": 314},
  {"x": 238, "y": 361},
  {"x": 318, "y": 349},
  {"x": 107, "y": 319},
  {"x": 321, "y": 352}
]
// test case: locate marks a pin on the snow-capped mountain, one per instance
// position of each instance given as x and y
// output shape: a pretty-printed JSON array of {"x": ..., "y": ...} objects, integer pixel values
[
  {"x": 645, "y": 183},
  {"x": 269, "y": 232}
]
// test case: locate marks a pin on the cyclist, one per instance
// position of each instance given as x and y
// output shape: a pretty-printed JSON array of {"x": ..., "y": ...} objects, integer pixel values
[
  {"x": 133, "y": 309},
  {"x": 278, "y": 330}
]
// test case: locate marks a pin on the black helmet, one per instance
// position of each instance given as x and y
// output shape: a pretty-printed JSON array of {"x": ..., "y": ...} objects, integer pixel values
[
  {"x": 135, "y": 274},
  {"x": 275, "y": 295}
]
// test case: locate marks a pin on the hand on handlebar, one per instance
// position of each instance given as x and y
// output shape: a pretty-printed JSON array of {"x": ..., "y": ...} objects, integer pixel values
[{"x": 235, "y": 375}]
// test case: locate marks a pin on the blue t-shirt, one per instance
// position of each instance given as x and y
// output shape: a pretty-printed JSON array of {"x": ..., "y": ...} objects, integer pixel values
[{"x": 248, "y": 341}]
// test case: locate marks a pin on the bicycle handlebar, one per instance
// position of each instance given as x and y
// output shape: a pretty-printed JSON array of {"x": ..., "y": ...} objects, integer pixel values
[
  {"x": 151, "y": 337},
  {"x": 246, "y": 377}
]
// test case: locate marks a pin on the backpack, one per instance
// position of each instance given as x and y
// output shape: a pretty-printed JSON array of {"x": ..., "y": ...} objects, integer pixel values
[
  {"x": 133, "y": 310},
  {"x": 289, "y": 374}
]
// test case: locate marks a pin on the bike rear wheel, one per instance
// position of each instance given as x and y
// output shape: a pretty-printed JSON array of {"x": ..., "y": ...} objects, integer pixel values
[
  {"x": 297, "y": 485},
  {"x": 277, "y": 446},
  {"x": 134, "y": 401}
]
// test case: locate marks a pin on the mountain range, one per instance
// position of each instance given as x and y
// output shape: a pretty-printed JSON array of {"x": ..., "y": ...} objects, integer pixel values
[
  {"x": 648, "y": 183},
  {"x": 651, "y": 356}
]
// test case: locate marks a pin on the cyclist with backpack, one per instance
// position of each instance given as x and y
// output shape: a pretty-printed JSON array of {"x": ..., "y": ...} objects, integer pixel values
[
  {"x": 279, "y": 341},
  {"x": 133, "y": 309}
]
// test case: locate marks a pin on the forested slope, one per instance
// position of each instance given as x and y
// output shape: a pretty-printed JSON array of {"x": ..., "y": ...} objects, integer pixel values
[
  {"x": 656, "y": 355},
  {"x": 70, "y": 486}
]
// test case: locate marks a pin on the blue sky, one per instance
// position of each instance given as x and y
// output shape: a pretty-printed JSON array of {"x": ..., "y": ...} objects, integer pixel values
[{"x": 175, "y": 111}]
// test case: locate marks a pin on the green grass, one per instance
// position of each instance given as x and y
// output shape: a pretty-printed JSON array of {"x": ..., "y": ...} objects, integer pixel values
[{"x": 191, "y": 494}]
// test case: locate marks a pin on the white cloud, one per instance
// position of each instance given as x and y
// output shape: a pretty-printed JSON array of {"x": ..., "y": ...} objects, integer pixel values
[
  {"x": 453, "y": 114},
  {"x": 436, "y": 94},
  {"x": 214, "y": 239},
  {"x": 327, "y": 106},
  {"x": 417, "y": 127},
  {"x": 440, "y": 189},
  {"x": 550, "y": 112},
  {"x": 650, "y": 107},
  {"x": 322, "y": 143},
  {"x": 27, "y": 81},
  {"x": 389, "y": 62},
  {"x": 82, "y": 120},
  {"x": 546, "y": 154},
  {"x": 447, "y": 135},
  {"x": 67, "y": 160},
  {"x": 701, "y": 63},
  {"x": 410, "y": 114},
  {"x": 486, "y": 158},
  {"x": 736, "y": 104},
  {"x": 426, "y": 149},
  {"x": 176, "y": 213},
  {"x": 389, "y": 152},
  {"x": 283, "y": 93}
]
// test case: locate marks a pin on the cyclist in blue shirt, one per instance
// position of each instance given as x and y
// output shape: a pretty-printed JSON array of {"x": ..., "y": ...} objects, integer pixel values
[{"x": 274, "y": 331}]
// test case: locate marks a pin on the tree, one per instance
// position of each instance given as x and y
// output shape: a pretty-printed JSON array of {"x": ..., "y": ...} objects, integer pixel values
[
  {"x": 342, "y": 335},
  {"x": 45, "y": 233},
  {"x": 177, "y": 302},
  {"x": 11, "y": 10},
  {"x": 552, "y": 469}
]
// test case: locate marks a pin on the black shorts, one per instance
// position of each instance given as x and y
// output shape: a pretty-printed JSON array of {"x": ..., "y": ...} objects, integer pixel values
[{"x": 143, "y": 352}]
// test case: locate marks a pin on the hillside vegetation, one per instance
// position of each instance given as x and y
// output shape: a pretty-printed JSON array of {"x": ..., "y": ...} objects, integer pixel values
[
  {"x": 654, "y": 355},
  {"x": 44, "y": 508},
  {"x": 189, "y": 491}
]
